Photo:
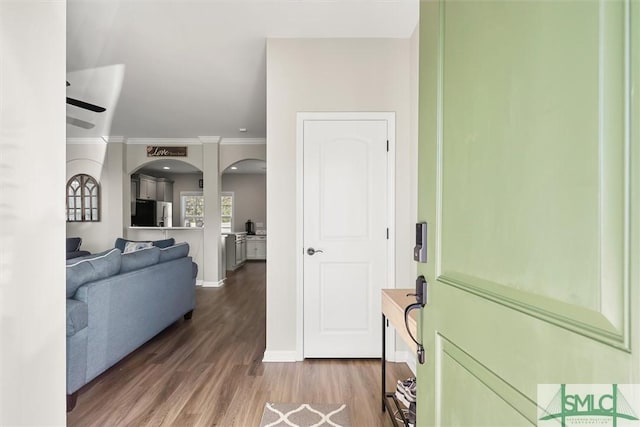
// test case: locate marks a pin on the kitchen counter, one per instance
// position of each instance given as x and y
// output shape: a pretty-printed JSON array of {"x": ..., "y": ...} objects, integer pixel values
[
  {"x": 165, "y": 228},
  {"x": 229, "y": 233}
]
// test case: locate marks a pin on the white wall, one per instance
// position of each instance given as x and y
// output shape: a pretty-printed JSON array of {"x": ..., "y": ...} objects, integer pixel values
[
  {"x": 250, "y": 198},
  {"x": 32, "y": 177},
  {"x": 103, "y": 162},
  {"x": 330, "y": 75}
]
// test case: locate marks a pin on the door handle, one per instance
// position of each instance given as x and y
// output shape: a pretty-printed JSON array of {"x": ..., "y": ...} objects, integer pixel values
[{"x": 312, "y": 251}]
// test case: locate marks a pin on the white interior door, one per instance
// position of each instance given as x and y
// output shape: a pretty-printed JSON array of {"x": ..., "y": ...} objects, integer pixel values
[{"x": 345, "y": 223}]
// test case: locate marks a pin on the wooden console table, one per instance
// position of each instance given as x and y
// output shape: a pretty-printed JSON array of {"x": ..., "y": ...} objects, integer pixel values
[{"x": 394, "y": 301}]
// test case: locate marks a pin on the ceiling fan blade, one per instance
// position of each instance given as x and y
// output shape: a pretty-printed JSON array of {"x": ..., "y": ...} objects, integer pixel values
[
  {"x": 80, "y": 123},
  {"x": 85, "y": 105}
]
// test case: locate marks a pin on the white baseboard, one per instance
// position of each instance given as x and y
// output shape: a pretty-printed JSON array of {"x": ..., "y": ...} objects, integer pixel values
[
  {"x": 199, "y": 282},
  {"x": 217, "y": 284},
  {"x": 280, "y": 356},
  {"x": 409, "y": 358}
]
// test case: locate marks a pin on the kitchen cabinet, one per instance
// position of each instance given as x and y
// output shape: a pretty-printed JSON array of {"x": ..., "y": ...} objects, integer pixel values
[
  {"x": 257, "y": 247},
  {"x": 146, "y": 187},
  {"x": 164, "y": 190},
  {"x": 235, "y": 251},
  {"x": 240, "y": 245}
]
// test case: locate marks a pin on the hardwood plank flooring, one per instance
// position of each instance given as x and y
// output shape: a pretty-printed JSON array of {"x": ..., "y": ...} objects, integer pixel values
[{"x": 208, "y": 371}]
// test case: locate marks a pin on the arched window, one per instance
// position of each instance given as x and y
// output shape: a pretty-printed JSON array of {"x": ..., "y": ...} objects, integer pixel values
[{"x": 83, "y": 199}]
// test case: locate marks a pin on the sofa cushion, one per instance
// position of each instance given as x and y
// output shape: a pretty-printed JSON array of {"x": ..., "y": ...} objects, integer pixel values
[
  {"x": 120, "y": 243},
  {"x": 92, "y": 268},
  {"x": 77, "y": 316},
  {"x": 173, "y": 252},
  {"x": 139, "y": 259},
  {"x": 83, "y": 255},
  {"x": 77, "y": 254}
]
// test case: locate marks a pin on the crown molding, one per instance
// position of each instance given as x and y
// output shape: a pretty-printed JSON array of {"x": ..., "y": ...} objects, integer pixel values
[
  {"x": 97, "y": 140},
  {"x": 243, "y": 141},
  {"x": 169, "y": 141},
  {"x": 163, "y": 141},
  {"x": 114, "y": 139}
]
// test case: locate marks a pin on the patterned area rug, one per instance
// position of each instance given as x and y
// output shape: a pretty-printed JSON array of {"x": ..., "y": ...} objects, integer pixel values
[{"x": 305, "y": 415}]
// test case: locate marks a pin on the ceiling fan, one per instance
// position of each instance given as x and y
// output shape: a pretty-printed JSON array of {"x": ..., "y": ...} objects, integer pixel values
[{"x": 85, "y": 105}]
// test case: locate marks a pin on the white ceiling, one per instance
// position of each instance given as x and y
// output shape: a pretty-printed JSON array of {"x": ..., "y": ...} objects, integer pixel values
[{"x": 187, "y": 68}]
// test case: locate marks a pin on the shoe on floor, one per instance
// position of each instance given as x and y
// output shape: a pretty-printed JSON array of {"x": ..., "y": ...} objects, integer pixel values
[
  {"x": 410, "y": 393},
  {"x": 402, "y": 385},
  {"x": 407, "y": 388},
  {"x": 402, "y": 399}
]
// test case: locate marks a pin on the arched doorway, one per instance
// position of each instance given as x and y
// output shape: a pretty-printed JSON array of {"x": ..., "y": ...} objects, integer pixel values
[
  {"x": 243, "y": 191},
  {"x": 169, "y": 184},
  {"x": 243, "y": 201},
  {"x": 164, "y": 199}
]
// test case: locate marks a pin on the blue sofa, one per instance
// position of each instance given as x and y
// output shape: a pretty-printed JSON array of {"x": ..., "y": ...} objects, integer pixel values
[
  {"x": 116, "y": 302},
  {"x": 73, "y": 248}
]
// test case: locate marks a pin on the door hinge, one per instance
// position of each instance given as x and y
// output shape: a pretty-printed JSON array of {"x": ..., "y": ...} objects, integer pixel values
[
  {"x": 387, "y": 145},
  {"x": 387, "y": 233}
]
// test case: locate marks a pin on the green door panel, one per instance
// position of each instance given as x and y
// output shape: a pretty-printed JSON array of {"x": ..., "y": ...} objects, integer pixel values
[{"x": 529, "y": 152}]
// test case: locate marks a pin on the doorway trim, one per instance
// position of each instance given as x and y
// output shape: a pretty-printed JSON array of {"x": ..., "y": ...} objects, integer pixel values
[{"x": 301, "y": 117}]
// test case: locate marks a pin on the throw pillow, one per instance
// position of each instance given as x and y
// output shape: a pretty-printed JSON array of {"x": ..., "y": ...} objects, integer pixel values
[
  {"x": 92, "y": 268},
  {"x": 73, "y": 244},
  {"x": 120, "y": 243},
  {"x": 174, "y": 252},
  {"x": 164, "y": 243},
  {"x": 136, "y": 246}
]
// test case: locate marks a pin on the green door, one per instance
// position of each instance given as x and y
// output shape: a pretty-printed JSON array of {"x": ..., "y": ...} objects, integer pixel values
[{"x": 530, "y": 182}]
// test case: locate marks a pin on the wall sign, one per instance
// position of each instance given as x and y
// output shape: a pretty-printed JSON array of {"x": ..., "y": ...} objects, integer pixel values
[{"x": 164, "y": 151}]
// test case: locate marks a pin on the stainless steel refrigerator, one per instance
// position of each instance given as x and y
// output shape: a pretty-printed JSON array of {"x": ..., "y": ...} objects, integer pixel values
[{"x": 164, "y": 214}]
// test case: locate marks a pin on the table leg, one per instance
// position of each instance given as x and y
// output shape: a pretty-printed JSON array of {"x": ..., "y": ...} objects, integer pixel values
[{"x": 384, "y": 362}]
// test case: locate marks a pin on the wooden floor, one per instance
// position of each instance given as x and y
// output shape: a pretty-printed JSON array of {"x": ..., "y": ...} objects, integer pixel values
[{"x": 208, "y": 371}]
